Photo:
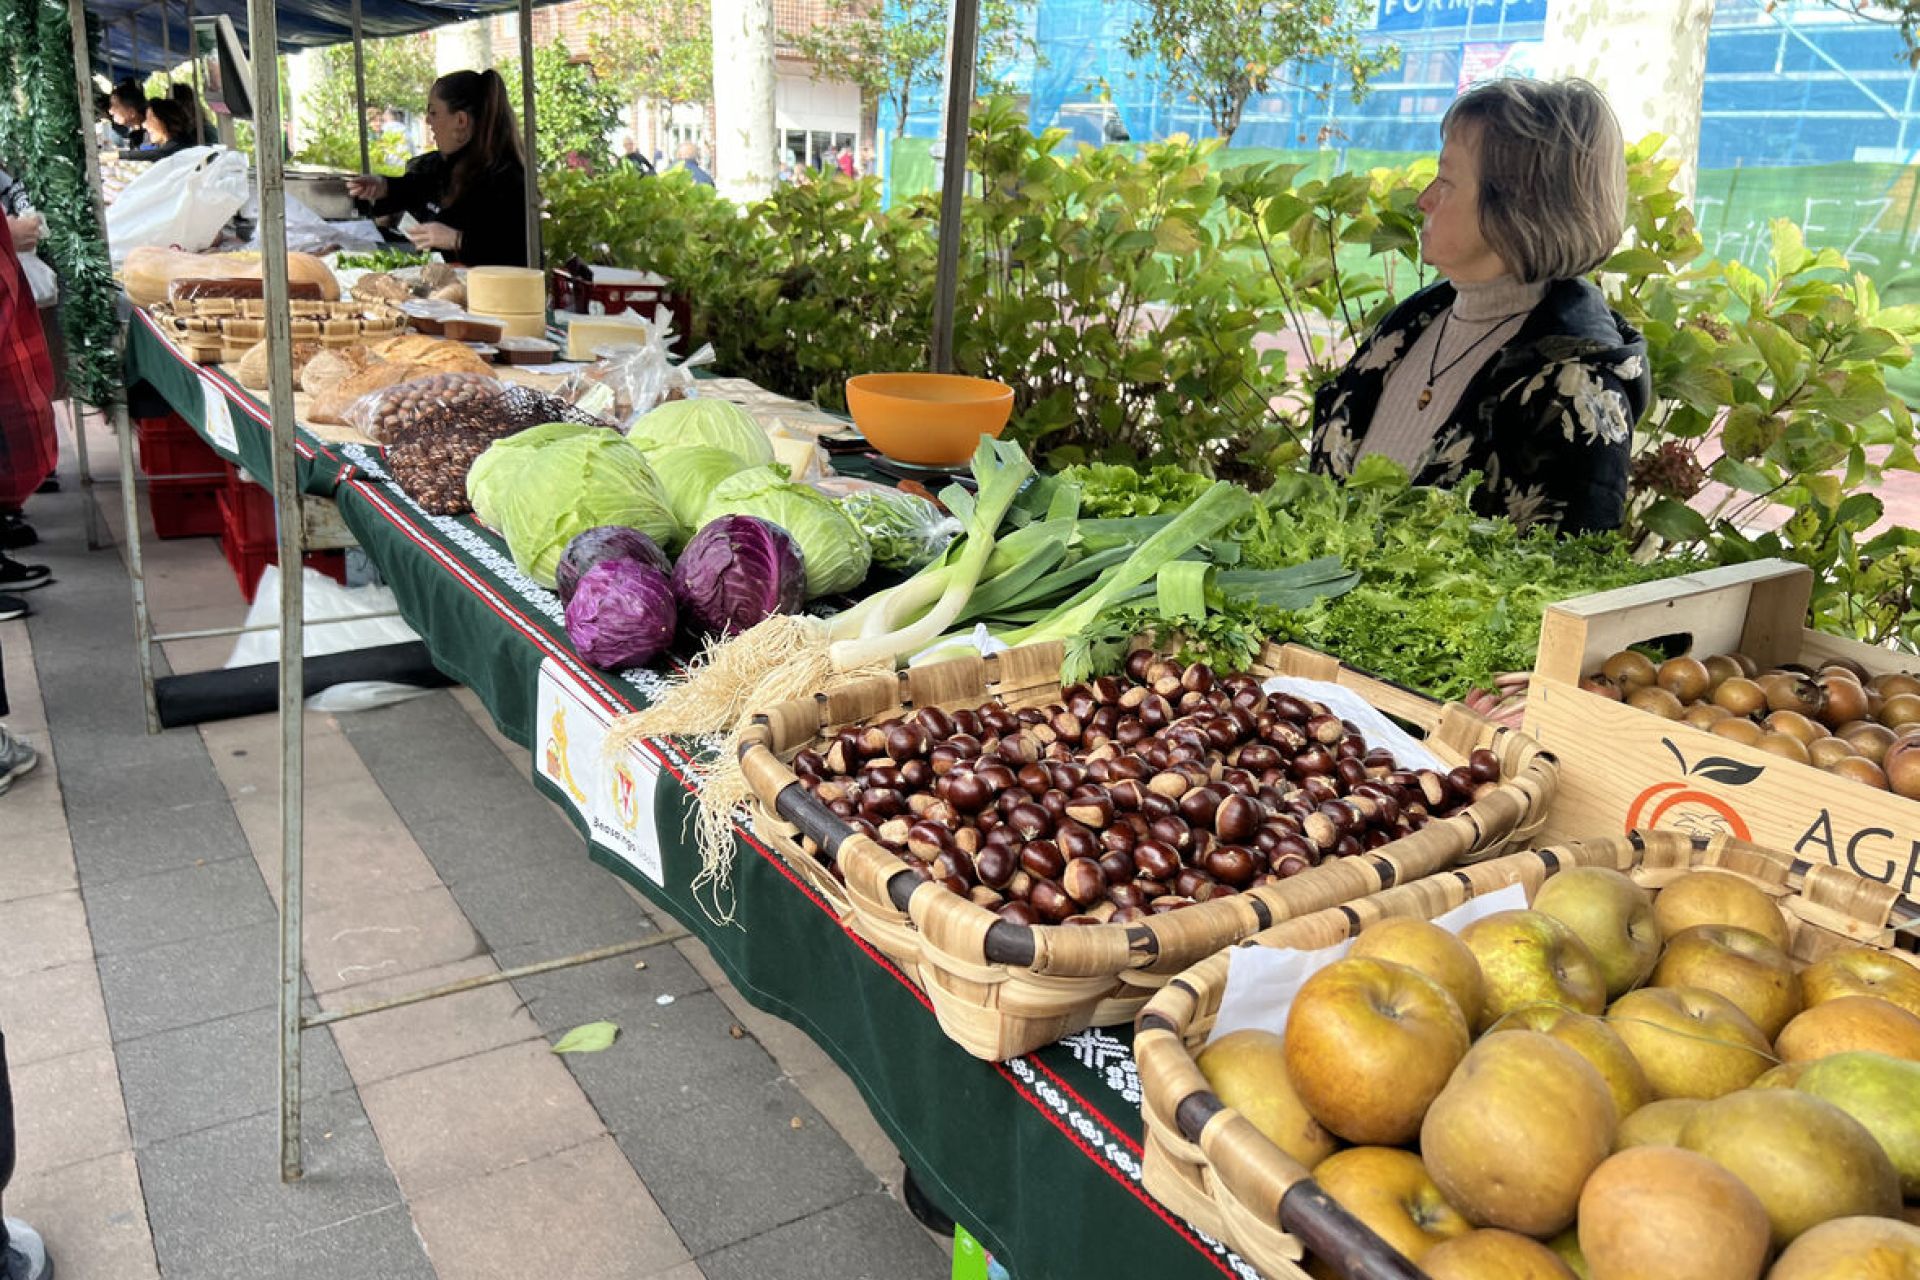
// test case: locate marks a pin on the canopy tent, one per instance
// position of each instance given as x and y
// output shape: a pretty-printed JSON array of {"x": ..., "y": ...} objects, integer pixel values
[{"x": 138, "y": 34}]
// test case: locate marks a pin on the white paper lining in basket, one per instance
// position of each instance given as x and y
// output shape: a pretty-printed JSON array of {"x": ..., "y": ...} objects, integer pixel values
[
  {"x": 1374, "y": 725},
  {"x": 1261, "y": 981}
]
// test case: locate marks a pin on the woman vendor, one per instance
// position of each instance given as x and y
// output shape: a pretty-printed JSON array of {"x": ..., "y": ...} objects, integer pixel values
[
  {"x": 169, "y": 129},
  {"x": 469, "y": 193},
  {"x": 1513, "y": 365}
]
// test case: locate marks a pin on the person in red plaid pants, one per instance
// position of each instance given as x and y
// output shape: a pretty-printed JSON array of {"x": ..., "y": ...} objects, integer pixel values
[{"x": 28, "y": 446}]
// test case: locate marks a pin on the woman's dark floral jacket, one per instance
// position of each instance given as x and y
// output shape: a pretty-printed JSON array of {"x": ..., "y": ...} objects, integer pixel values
[{"x": 1548, "y": 422}]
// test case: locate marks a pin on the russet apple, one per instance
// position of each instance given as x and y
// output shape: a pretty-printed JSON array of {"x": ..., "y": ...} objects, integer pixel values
[
  {"x": 1424, "y": 946},
  {"x": 1718, "y": 897},
  {"x": 1612, "y": 915},
  {"x": 1863, "y": 971},
  {"x": 1658, "y": 1124},
  {"x": 1515, "y": 1133},
  {"x": 1847, "y": 1023},
  {"x": 1369, "y": 1044},
  {"x": 1739, "y": 964},
  {"x": 1806, "y": 1159},
  {"x": 1528, "y": 957},
  {"x": 1248, "y": 1071},
  {"x": 1661, "y": 1211},
  {"x": 1783, "y": 1076},
  {"x": 1598, "y": 1043},
  {"x": 1391, "y": 1191},
  {"x": 1882, "y": 1093},
  {"x": 1493, "y": 1254},
  {"x": 1853, "y": 1249},
  {"x": 1691, "y": 1043}
]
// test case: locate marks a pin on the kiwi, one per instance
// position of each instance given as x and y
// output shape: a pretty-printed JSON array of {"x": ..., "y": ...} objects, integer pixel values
[
  {"x": 1657, "y": 700},
  {"x": 1827, "y": 752},
  {"x": 1784, "y": 744},
  {"x": 1741, "y": 696},
  {"x": 1860, "y": 769},
  {"x": 1629, "y": 670},
  {"x": 1685, "y": 678},
  {"x": 1742, "y": 731}
]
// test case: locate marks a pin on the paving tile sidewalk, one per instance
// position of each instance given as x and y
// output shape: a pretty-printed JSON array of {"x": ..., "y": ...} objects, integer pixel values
[{"x": 138, "y": 943}]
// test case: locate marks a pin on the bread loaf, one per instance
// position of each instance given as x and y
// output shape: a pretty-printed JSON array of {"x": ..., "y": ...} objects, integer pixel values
[
  {"x": 331, "y": 406},
  {"x": 330, "y": 367},
  {"x": 193, "y": 290},
  {"x": 379, "y": 287},
  {"x": 149, "y": 271},
  {"x": 252, "y": 367},
  {"x": 437, "y": 354}
]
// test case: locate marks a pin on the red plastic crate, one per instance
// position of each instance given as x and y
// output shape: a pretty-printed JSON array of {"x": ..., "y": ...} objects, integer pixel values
[
  {"x": 169, "y": 447},
  {"x": 249, "y": 562},
  {"x": 185, "y": 508},
  {"x": 569, "y": 291},
  {"x": 247, "y": 511}
]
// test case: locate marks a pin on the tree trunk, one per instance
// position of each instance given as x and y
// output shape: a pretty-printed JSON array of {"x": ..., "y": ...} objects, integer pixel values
[
  {"x": 1648, "y": 56},
  {"x": 463, "y": 46},
  {"x": 745, "y": 157},
  {"x": 304, "y": 74}
]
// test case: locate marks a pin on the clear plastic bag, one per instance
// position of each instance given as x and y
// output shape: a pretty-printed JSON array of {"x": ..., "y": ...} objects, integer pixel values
[
  {"x": 639, "y": 375},
  {"x": 464, "y": 403},
  {"x": 905, "y": 532}
]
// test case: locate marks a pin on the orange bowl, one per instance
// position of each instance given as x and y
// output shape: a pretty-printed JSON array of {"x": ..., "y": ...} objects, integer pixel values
[{"x": 928, "y": 419}]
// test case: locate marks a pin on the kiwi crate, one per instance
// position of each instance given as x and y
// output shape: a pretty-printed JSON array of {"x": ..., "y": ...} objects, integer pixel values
[
  {"x": 1207, "y": 1162},
  {"x": 1001, "y": 988},
  {"x": 1623, "y": 768}
]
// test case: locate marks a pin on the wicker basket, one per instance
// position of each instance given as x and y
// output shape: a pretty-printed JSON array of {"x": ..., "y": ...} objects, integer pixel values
[
  {"x": 1207, "y": 1163},
  {"x": 208, "y": 329},
  {"x": 1001, "y": 989}
]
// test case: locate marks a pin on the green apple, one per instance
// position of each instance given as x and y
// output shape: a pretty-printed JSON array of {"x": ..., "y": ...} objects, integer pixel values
[
  {"x": 1612, "y": 915},
  {"x": 1528, "y": 957},
  {"x": 1882, "y": 1093}
]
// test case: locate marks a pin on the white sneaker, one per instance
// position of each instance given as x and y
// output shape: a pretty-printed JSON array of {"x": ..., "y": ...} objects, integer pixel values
[
  {"x": 25, "y": 1257},
  {"x": 16, "y": 760}
]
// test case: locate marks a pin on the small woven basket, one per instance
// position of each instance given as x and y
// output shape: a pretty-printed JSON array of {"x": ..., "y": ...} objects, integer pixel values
[
  {"x": 209, "y": 328},
  {"x": 1207, "y": 1162},
  {"x": 1001, "y": 989}
]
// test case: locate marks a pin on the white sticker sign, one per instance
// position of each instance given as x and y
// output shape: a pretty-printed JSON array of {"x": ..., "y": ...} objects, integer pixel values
[
  {"x": 218, "y": 415},
  {"x": 614, "y": 798}
]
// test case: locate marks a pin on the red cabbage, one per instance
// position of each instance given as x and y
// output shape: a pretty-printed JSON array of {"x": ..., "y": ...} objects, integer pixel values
[
  {"x": 739, "y": 570},
  {"x": 605, "y": 542},
  {"x": 622, "y": 614}
]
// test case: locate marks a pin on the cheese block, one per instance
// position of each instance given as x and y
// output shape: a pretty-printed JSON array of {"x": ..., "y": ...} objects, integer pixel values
[
  {"x": 514, "y": 291},
  {"x": 584, "y": 333},
  {"x": 512, "y": 325}
]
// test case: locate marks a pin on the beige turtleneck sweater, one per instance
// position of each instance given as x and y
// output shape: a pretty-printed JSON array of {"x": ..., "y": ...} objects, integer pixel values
[{"x": 1489, "y": 314}]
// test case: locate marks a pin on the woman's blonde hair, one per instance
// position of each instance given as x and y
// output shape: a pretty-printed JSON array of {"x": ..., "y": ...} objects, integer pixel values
[{"x": 1553, "y": 173}]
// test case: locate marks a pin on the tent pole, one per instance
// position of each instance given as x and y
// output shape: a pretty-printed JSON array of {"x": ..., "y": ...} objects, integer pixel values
[
  {"x": 193, "y": 59},
  {"x": 166, "y": 45},
  {"x": 360, "y": 88},
  {"x": 534, "y": 257},
  {"x": 264, "y": 43},
  {"x": 962, "y": 38}
]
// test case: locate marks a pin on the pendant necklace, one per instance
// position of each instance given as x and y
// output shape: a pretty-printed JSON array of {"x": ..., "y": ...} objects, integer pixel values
[{"x": 1435, "y": 373}]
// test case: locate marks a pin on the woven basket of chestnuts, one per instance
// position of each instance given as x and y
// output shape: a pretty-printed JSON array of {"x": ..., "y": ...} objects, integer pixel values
[{"x": 1043, "y": 858}]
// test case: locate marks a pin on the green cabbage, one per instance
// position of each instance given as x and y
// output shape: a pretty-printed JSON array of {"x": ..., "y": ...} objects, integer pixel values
[
  {"x": 541, "y": 487},
  {"x": 690, "y": 475},
  {"x": 703, "y": 420},
  {"x": 834, "y": 550}
]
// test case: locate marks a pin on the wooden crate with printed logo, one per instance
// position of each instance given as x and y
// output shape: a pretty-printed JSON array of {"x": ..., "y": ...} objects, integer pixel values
[{"x": 1623, "y": 768}]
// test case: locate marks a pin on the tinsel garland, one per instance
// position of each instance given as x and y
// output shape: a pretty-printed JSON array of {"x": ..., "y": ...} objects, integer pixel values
[{"x": 40, "y": 132}]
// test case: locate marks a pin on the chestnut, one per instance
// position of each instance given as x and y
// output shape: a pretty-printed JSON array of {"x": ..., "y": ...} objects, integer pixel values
[
  {"x": 1083, "y": 880},
  {"x": 1168, "y": 902},
  {"x": 1042, "y": 858},
  {"x": 905, "y": 741},
  {"x": 1076, "y": 841},
  {"x": 1127, "y": 915},
  {"x": 1312, "y": 761},
  {"x": 1029, "y": 820},
  {"x": 929, "y": 839},
  {"x": 1017, "y": 913},
  {"x": 1137, "y": 663},
  {"x": 1051, "y": 901},
  {"x": 955, "y": 865},
  {"x": 1034, "y": 778},
  {"x": 1172, "y": 830},
  {"x": 1199, "y": 805},
  {"x": 1094, "y": 811},
  {"x": 1238, "y": 817},
  {"x": 1117, "y": 839},
  {"x": 1232, "y": 864},
  {"x": 1156, "y": 860},
  {"x": 1484, "y": 765},
  {"x": 985, "y": 897}
]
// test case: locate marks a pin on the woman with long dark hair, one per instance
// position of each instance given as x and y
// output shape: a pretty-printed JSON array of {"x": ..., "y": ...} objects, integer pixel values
[{"x": 469, "y": 193}]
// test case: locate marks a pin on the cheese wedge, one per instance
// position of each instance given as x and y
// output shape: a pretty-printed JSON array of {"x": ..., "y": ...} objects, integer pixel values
[{"x": 584, "y": 333}]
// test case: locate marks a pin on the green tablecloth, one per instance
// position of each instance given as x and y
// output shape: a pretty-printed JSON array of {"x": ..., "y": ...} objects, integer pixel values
[
  {"x": 1039, "y": 1157},
  {"x": 187, "y": 387}
]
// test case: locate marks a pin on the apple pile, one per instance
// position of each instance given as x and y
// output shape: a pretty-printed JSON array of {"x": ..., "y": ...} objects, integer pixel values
[
  {"x": 1611, "y": 1084},
  {"x": 1838, "y": 718}
]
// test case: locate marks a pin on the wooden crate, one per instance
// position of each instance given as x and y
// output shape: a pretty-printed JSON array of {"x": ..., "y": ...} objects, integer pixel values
[
  {"x": 1624, "y": 769},
  {"x": 1207, "y": 1162},
  {"x": 1000, "y": 989}
]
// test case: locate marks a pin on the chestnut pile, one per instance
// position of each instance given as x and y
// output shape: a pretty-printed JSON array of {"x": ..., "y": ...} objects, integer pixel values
[
  {"x": 1840, "y": 718},
  {"x": 1129, "y": 796}
]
